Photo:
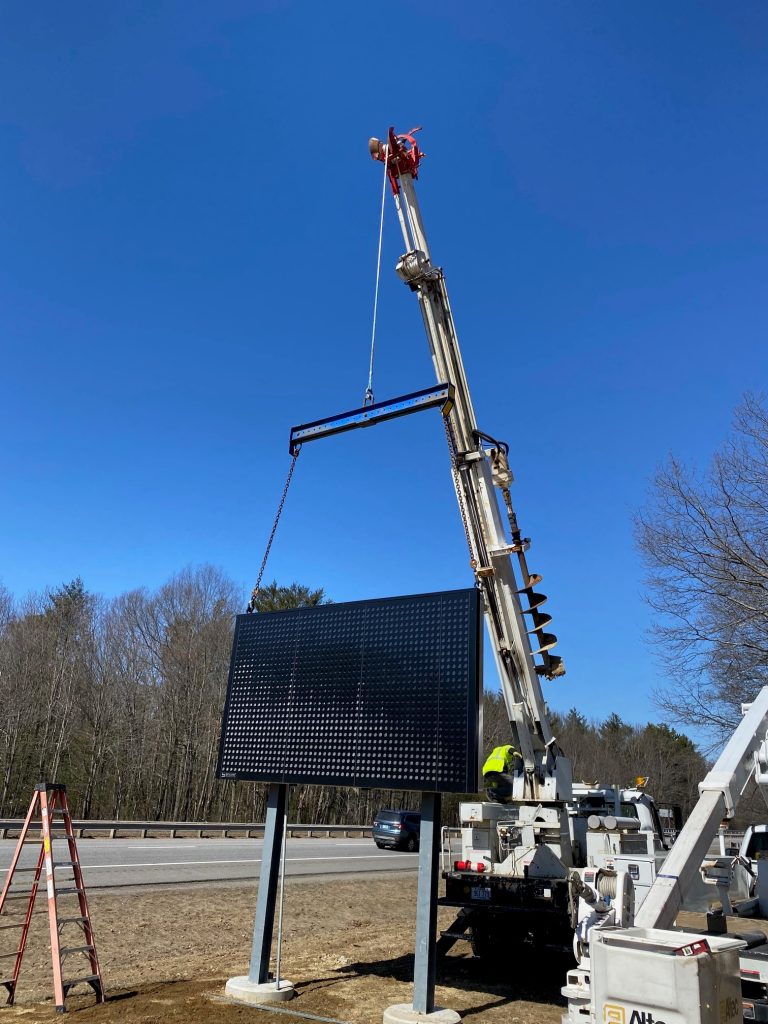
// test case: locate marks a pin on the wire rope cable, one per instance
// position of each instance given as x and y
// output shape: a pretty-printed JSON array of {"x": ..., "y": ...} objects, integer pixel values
[
  {"x": 252, "y": 603},
  {"x": 368, "y": 399}
]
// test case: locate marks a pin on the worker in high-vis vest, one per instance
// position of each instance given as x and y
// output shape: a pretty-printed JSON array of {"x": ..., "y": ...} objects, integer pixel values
[{"x": 497, "y": 773}]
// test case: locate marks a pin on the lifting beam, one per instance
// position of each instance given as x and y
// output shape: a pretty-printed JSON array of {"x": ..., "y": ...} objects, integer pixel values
[{"x": 442, "y": 396}]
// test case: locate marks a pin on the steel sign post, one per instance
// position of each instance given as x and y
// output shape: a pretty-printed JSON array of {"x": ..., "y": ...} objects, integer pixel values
[{"x": 263, "y": 926}]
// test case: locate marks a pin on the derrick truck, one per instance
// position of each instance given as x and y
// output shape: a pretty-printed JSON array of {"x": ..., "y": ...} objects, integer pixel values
[{"x": 522, "y": 863}]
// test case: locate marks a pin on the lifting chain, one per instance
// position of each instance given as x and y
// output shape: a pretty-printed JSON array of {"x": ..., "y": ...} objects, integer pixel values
[
  {"x": 252, "y": 603},
  {"x": 456, "y": 473}
]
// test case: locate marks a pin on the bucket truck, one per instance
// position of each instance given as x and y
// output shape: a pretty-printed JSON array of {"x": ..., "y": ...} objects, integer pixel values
[
  {"x": 649, "y": 972},
  {"x": 522, "y": 861}
]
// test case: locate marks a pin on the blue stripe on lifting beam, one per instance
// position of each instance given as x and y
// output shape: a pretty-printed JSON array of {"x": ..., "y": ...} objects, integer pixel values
[{"x": 441, "y": 395}]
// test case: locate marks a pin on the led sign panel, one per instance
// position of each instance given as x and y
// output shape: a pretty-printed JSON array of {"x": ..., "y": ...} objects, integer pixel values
[{"x": 382, "y": 693}]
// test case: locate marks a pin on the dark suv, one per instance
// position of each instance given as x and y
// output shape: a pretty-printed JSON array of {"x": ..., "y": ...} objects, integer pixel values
[{"x": 397, "y": 830}]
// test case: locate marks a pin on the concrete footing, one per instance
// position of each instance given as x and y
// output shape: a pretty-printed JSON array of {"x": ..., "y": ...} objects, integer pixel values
[
  {"x": 243, "y": 990},
  {"x": 404, "y": 1013}
]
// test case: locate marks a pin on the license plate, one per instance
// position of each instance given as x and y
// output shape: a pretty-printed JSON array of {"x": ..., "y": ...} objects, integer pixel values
[{"x": 480, "y": 892}]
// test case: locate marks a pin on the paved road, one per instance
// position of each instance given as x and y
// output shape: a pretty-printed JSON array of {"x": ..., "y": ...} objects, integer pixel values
[{"x": 109, "y": 863}]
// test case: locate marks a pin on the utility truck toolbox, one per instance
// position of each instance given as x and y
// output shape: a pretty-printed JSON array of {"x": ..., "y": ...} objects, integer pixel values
[
  {"x": 644, "y": 975},
  {"x": 754, "y": 977}
]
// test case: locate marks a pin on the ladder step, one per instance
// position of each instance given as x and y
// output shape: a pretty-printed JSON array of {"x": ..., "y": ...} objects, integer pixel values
[
  {"x": 68, "y": 890},
  {"x": 4, "y": 926},
  {"x": 64, "y": 863},
  {"x": 79, "y": 981},
  {"x": 456, "y": 935},
  {"x": 76, "y": 949},
  {"x": 4, "y": 956},
  {"x": 19, "y": 896},
  {"x": 72, "y": 920},
  {"x": 19, "y": 871}
]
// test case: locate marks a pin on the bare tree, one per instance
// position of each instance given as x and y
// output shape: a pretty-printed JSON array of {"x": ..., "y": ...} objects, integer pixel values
[{"x": 704, "y": 539}]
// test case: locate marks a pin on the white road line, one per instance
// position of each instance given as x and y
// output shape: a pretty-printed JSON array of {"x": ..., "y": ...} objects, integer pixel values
[
  {"x": 231, "y": 844},
  {"x": 224, "y": 863}
]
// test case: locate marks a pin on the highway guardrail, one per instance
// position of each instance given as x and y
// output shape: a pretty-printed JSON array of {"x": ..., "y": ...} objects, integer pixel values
[{"x": 11, "y": 827}]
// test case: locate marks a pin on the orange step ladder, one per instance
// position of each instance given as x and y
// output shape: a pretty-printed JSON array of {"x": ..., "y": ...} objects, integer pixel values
[{"x": 48, "y": 809}]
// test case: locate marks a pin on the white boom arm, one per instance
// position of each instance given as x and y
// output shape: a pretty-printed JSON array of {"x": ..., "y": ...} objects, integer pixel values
[
  {"x": 477, "y": 475},
  {"x": 744, "y": 759}
]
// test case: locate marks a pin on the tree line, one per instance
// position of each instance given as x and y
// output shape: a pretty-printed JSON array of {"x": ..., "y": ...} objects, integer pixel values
[{"x": 121, "y": 699}]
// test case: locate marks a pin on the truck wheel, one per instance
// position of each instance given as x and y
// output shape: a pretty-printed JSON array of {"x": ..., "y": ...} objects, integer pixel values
[{"x": 485, "y": 942}]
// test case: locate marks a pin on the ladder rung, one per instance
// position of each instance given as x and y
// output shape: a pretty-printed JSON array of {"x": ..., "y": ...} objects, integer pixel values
[
  {"x": 4, "y": 956},
  {"x": 18, "y": 871},
  {"x": 79, "y": 981},
  {"x": 4, "y": 926},
  {"x": 68, "y": 890},
  {"x": 75, "y": 949},
  {"x": 72, "y": 920},
  {"x": 19, "y": 896},
  {"x": 64, "y": 863}
]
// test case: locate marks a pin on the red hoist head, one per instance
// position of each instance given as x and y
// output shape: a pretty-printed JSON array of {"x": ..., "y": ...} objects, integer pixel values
[{"x": 401, "y": 154}]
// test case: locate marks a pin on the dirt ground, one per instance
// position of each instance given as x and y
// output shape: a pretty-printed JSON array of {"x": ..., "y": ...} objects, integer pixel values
[{"x": 166, "y": 955}]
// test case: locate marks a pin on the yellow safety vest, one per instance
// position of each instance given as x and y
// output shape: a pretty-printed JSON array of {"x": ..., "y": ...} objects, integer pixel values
[{"x": 500, "y": 759}]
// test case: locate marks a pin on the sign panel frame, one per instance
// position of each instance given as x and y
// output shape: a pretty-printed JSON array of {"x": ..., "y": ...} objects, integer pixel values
[{"x": 383, "y": 693}]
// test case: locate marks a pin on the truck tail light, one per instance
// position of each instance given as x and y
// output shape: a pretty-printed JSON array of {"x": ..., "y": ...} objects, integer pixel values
[
  {"x": 461, "y": 865},
  {"x": 479, "y": 866}
]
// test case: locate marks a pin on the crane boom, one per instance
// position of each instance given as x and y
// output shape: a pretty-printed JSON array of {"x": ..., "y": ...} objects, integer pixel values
[
  {"x": 744, "y": 761},
  {"x": 480, "y": 475}
]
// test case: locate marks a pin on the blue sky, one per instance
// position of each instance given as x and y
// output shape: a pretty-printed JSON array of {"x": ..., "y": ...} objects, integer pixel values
[{"x": 190, "y": 218}]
